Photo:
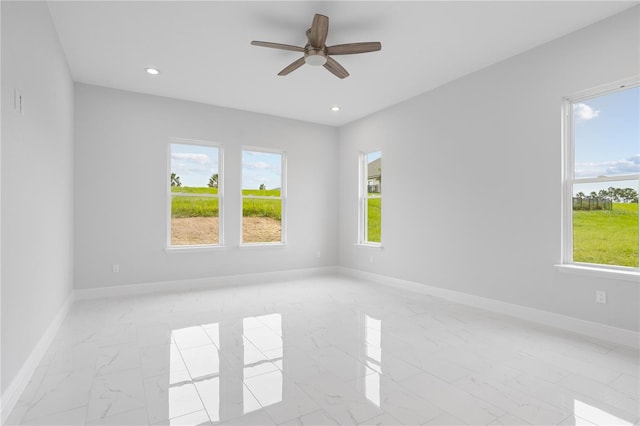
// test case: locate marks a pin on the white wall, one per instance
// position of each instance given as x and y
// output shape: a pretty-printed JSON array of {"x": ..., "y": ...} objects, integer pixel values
[
  {"x": 120, "y": 188},
  {"x": 461, "y": 165},
  {"x": 37, "y": 181}
]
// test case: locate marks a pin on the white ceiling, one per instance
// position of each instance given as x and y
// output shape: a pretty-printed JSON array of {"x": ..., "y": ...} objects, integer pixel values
[{"x": 203, "y": 49}]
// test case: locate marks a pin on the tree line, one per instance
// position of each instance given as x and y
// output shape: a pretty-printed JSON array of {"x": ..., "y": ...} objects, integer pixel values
[
  {"x": 617, "y": 195},
  {"x": 213, "y": 181}
]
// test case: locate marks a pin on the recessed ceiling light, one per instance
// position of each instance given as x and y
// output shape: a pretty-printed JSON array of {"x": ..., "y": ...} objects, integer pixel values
[
  {"x": 152, "y": 71},
  {"x": 335, "y": 108}
]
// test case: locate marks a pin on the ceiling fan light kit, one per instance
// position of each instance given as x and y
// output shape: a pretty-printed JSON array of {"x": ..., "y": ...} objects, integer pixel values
[
  {"x": 317, "y": 53},
  {"x": 315, "y": 57}
]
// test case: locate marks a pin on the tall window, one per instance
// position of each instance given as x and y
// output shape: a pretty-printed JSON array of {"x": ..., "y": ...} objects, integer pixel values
[
  {"x": 195, "y": 194},
  {"x": 602, "y": 173},
  {"x": 371, "y": 197},
  {"x": 263, "y": 197}
]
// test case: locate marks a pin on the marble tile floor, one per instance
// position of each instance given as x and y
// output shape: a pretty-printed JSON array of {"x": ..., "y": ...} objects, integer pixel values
[{"x": 325, "y": 350}]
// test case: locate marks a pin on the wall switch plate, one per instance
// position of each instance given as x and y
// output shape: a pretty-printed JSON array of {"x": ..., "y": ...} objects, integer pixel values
[
  {"x": 371, "y": 260},
  {"x": 115, "y": 267},
  {"x": 318, "y": 254},
  {"x": 601, "y": 296}
]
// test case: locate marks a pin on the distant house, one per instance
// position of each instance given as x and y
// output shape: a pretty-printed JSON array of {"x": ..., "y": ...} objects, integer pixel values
[{"x": 374, "y": 176}]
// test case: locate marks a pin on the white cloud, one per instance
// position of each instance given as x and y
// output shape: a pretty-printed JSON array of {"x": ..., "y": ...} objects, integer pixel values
[
  {"x": 257, "y": 165},
  {"x": 198, "y": 158},
  {"x": 584, "y": 111},
  {"x": 626, "y": 166},
  {"x": 193, "y": 168}
]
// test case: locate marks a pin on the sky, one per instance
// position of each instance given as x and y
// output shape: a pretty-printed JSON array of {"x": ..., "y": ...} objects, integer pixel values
[
  {"x": 195, "y": 164},
  {"x": 372, "y": 156},
  {"x": 607, "y": 139},
  {"x": 607, "y": 134},
  {"x": 261, "y": 168}
]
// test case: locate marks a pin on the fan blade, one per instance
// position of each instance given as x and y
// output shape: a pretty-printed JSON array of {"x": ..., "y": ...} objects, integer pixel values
[
  {"x": 335, "y": 68},
  {"x": 292, "y": 66},
  {"x": 277, "y": 46},
  {"x": 319, "y": 30},
  {"x": 351, "y": 48}
]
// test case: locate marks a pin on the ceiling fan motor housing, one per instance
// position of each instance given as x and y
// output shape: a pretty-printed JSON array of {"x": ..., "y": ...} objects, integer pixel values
[{"x": 315, "y": 56}]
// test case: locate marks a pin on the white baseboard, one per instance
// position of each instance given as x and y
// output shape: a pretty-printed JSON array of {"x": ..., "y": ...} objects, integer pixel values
[
  {"x": 202, "y": 283},
  {"x": 587, "y": 328},
  {"x": 12, "y": 394}
]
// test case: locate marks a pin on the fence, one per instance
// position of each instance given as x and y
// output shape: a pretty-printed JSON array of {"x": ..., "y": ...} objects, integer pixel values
[{"x": 592, "y": 204}]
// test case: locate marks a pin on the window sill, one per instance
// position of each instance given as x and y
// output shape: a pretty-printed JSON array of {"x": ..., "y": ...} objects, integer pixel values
[
  {"x": 594, "y": 271},
  {"x": 369, "y": 245},
  {"x": 193, "y": 249},
  {"x": 261, "y": 245}
]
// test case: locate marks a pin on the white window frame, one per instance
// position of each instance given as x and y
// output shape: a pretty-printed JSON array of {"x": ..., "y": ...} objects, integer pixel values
[
  {"x": 219, "y": 196},
  {"x": 569, "y": 180},
  {"x": 282, "y": 198},
  {"x": 363, "y": 199}
]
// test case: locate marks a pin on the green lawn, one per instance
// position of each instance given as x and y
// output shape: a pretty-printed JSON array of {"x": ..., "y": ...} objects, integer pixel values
[
  {"x": 194, "y": 190},
  {"x": 262, "y": 193},
  {"x": 373, "y": 219},
  {"x": 607, "y": 237},
  {"x": 194, "y": 206},
  {"x": 599, "y": 236},
  {"x": 190, "y": 206},
  {"x": 260, "y": 207}
]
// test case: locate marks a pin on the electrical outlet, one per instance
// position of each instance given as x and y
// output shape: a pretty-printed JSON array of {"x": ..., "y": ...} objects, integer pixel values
[
  {"x": 17, "y": 101},
  {"x": 115, "y": 267},
  {"x": 601, "y": 296}
]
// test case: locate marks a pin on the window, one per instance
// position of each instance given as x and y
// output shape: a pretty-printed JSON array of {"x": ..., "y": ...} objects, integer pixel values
[
  {"x": 195, "y": 183},
  {"x": 263, "y": 197},
  {"x": 370, "y": 198},
  {"x": 602, "y": 170}
]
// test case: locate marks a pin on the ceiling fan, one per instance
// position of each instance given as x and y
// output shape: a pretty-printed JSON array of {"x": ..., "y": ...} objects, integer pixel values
[{"x": 316, "y": 52}]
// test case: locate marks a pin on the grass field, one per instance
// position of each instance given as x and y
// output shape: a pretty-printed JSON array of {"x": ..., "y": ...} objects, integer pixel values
[
  {"x": 373, "y": 219},
  {"x": 194, "y": 206},
  {"x": 194, "y": 190},
  {"x": 607, "y": 237},
  {"x": 190, "y": 206},
  {"x": 599, "y": 236}
]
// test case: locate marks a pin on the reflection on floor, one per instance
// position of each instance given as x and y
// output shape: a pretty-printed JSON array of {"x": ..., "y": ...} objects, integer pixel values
[{"x": 326, "y": 350}]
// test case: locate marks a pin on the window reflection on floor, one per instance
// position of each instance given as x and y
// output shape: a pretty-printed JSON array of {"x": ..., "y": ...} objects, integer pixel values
[
  {"x": 262, "y": 337},
  {"x": 372, "y": 341},
  {"x": 195, "y": 371},
  {"x": 198, "y": 371},
  {"x": 595, "y": 415}
]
